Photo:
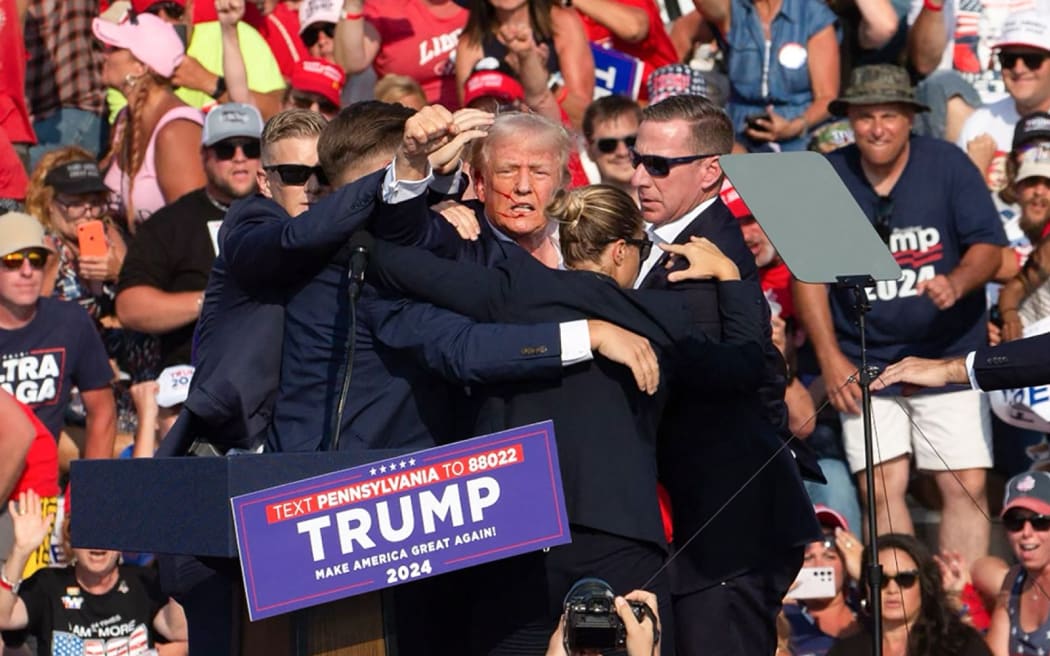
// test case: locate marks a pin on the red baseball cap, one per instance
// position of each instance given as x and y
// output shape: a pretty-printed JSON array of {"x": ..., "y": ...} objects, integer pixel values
[
  {"x": 829, "y": 517},
  {"x": 319, "y": 76},
  {"x": 492, "y": 78}
]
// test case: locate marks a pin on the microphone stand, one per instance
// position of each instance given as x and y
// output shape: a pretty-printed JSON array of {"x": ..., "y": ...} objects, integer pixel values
[
  {"x": 858, "y": 286},
  {"x": 356, "y": 275}
]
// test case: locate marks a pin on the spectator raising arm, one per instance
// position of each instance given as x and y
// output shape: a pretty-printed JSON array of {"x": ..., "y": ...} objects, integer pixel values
[
  {"x": 878, "y": 23},
  {"x": 624, "y": 21},
  {"x": 30, "y": 528},
  {"x": 928, "y": 37},
  {"x": 230, "y": 13},
  {"x": 357, "y": 41}
]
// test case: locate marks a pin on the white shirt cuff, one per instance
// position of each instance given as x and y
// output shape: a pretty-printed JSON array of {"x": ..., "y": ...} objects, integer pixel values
[
  {"x": 398, "y": 191},
  {"x": 969, "y": 370},
  {"x": 575, "y": 342},
  {"x": 448, "y": 184}
]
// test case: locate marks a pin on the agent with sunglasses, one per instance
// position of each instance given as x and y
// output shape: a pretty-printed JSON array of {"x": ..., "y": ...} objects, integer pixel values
[
  {"x": 678, "y": 175},
  {"x": 931, "y": 207},
  {"x": 161, "y": 286},
  {"x": 49, "y": 346},
  {"x": 917, "y": 619},
  {"x": 1021, "y": 620}
]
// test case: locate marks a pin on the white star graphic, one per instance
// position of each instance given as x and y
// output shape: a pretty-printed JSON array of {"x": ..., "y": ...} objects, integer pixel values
[
  {"x": 372, "y": 471},
  {"x": 402, "y": 464},
  {"x": 382, "y": 468},
  {"x": 393, "y": 466},
  {"x": 412, "y": 461}
]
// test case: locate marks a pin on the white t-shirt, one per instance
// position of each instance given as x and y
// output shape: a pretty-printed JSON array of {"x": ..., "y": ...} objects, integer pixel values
[
  {"x": 997, "y": 119},
  {"x": 974, "y": 26}
]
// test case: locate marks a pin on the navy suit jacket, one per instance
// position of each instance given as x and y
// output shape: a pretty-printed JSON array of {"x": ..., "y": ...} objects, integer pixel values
[
  {"x": 1020, "y": 363},
  {"x": 710, "y": 446},
  {"x": 263, "y": 254},
  {"x": 605, "y": 427}
]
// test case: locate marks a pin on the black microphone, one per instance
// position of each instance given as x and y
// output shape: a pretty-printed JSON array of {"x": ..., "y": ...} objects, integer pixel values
[{"x": 360, "y": 245}]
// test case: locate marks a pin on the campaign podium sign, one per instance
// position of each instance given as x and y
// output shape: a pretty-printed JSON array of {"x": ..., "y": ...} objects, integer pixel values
[
  {"x": 1025, "y": 407},
  {"x": 616, "y": 73},
  {"x": 400, "y": 519}
]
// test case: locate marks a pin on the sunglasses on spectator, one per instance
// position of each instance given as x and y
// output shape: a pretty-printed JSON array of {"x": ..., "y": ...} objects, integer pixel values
[
  {"x": 659, "y": 166},
  {"x": 1032, "y": 60},
  {"x": 306, "y": 100},
  {"x": 227, "y": 150},
  {"x": 904, "y": 580},
  {"x": 1014, "y": 522},
  {"x": 37, "y": 258},
  {"x": 296, "y": 175},
  {"x": 609, "y": 144},
  {"x": 883, "y": 212},
  {"x": 312, "y": 34}
]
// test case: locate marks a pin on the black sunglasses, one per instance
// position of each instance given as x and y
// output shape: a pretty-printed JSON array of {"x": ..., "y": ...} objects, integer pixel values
[
  {"x": 608, "y": 144},
  {"x": 883, "y": 212},
  {"x": 37, "y": 258},
  {"x": 1032, "y": 60},
  {"x": 1014, "y": 522},
  {"x": 311, "y": 34},
  {"x": 659, "y": 166},
  {"x": 227, "y": 150},
  {"x": 306, "y": 100},
  {"x": 904, "y": 580},
  {"x": 296, "y": 175},
  {"x": 645, "y": 246}
]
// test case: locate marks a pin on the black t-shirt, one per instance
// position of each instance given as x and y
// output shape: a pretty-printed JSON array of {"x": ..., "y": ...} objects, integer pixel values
[
  {"x": 65, "y": 619},
  {"x": 173, "y": 251}
]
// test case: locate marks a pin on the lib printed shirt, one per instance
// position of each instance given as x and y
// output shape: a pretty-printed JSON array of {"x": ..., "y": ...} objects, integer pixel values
[
  {"x": 43, "y": 360},
  {"x": 69, "y": 621},
  {"x": 940, "y": 207},
  {"x": 419, "y": 44}
]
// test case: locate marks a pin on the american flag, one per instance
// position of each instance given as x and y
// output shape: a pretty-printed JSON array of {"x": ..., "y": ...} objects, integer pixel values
[{"x": 68, "y": 644}]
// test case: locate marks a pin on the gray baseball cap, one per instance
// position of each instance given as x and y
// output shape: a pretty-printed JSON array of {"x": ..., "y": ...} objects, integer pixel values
[
  {"x": 1031, "y": 490},
  {"x": 231, "y": 120}
]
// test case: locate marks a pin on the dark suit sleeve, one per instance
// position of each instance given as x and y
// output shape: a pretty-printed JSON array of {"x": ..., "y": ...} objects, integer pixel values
[
  {"x": 736, "y": 363},
  {"x": 263, "y": 246},
  {"x": 462, "y": 351},
  {"x": 1021, "y": 363},
  {"x": 469, "y": 289}
]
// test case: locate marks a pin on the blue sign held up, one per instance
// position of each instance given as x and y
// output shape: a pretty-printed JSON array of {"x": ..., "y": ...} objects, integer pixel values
[
  {"x": 393, "y": 521},
  {"x": 615, "y": 73}
]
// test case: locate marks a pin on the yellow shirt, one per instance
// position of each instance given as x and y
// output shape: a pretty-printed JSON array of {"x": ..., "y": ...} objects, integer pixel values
[{"x": 206, "y": 47}]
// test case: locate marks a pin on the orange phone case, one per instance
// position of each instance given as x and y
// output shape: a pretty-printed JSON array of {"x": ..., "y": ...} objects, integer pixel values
[{"x": 92, "y": 238}]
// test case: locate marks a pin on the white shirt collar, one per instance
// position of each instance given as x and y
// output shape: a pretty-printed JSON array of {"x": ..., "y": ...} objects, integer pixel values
[
  {"x": 552, "y": 235},
  {"x": 667, "y": 233}
]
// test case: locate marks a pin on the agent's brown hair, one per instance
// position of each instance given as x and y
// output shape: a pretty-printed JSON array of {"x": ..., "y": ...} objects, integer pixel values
[
  {"x": 589, "y": 218},
  {"x": 367, "y": 130},
  {"x": 712, "y": 130}
]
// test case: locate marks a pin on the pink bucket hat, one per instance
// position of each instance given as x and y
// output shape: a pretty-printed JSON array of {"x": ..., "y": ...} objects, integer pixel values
[{"x": 151, "y": 40}]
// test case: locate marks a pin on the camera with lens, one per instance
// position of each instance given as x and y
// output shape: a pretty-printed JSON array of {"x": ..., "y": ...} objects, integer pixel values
[{"x": 591, "y": 620}]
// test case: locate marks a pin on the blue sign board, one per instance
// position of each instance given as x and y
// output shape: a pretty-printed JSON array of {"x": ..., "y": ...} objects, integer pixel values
[
  {"x": 616, "y": 73},
  {"x": 398, "y": 520}
]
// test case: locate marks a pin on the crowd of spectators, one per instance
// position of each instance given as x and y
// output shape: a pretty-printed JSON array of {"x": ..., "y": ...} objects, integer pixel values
[{"x": 130, "y": 129}]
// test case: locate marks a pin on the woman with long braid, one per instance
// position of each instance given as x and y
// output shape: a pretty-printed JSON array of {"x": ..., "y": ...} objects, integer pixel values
[{"x": 154, "y": 157}]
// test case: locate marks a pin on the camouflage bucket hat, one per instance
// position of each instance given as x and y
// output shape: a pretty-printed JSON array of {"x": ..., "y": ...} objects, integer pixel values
[{"x": 875, "y": 85}]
